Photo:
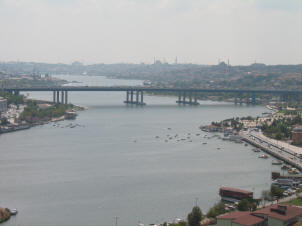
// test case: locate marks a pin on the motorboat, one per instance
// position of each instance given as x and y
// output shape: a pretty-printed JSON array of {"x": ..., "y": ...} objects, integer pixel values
[{"x": 263, "y": 156}]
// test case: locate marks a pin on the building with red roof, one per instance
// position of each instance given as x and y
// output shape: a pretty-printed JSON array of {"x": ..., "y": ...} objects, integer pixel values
[
  {"x": 239, "y": 218},
  {"x": 274, "y": 215}
]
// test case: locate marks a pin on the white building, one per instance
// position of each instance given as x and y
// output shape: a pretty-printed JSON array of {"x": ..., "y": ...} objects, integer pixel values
[{"x": 3, "y": 104}]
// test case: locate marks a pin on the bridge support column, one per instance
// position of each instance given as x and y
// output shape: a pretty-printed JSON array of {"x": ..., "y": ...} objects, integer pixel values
[
  {"x": 142, "y": 97},
  {"x": 190, "y": 98},
  {"x": 16, "y": 92},
  {"x": 240, "y": 98},
  {"x": 58, "y": 96},
  {"x": 127, "y": 97},
  {"x": 182, "y": 98},
  {"x": 139, "y": 97},
  {"x": 253, "y": 98},
  {"x": 247, "y": 99},
  {"x": 54, "y": 97},
  {"x": 62, "y": 97},
  {"x": 236, "y": 99},
  {"x": 131, "y": 96},
  {"x": 66, "y": 97}
]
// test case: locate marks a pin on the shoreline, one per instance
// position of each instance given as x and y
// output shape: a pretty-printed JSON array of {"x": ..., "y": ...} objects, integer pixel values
[{"x": 28, "y": 125}]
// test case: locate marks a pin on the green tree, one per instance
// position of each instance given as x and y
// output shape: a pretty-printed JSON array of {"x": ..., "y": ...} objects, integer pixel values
[
  {"x": 216, "y": 210},
  {"x": 276, "y": 192},
  {"x": 243, "y": 205},
  {"x": 195, "y": 217}
]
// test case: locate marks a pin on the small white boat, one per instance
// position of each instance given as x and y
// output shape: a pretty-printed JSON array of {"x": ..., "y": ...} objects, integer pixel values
[
  {"x": 263, "y": 156},
  {"x": 13, "y": 211}
]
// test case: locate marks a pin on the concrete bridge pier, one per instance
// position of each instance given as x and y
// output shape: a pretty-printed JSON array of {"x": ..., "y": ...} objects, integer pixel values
[
  {"x": 240, "y": 98},
  {"x": 139, "y": 97},
  {"x": 16, "y": 92},
  {"x": 195, "y": 99},
  {"x": 66, "y": 97},
  {"x": 62, "y": 97},
  {"x": 236, "y": 99},
  {"x": 142, "y": 97},
  {"x": 253, "y": 98},
  {"x": 54, "y": 97},
  {"x": 247, "y": 100},
  {"x": 58, "y": 97},
  {"x": 184, "y": 101}
]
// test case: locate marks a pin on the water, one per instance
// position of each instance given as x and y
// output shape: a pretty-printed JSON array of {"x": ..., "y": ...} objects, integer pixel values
[{"x": 114, "y": 166}]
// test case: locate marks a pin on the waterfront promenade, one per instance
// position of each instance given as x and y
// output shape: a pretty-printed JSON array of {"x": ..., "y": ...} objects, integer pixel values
[{"x": 287, "y": 155}]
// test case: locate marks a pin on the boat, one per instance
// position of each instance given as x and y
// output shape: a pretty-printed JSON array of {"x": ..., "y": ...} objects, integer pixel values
[
  {"x": 285, "y": 167},
  {"x": 245, "y": 144},
  {"x": 255, "y": 150},
  {"x": 204, "y": 143},
  {"x": 277, "y": 162},
  {"x": 13, "y": 211},
  {"x": 263, "y": 156}
]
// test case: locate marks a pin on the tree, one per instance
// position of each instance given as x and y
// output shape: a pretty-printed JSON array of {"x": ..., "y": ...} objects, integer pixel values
[
  {"x": 195, "y": 216},
  {"x": 216, "y": 210},
  {"x": 276, "y": 192},
  {"x": 243, "y": 205}
]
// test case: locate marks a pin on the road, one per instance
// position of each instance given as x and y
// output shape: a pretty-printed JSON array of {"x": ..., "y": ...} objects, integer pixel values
[{"x": 286, "y": 154}]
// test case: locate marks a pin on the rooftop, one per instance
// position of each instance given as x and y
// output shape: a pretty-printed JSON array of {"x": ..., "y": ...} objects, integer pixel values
[
  {"x": 248, "y": 220},
  {"x": 280, "y": 212},
  {"x": 243, "y": 218},
  {"x": 233, "y": 215}
]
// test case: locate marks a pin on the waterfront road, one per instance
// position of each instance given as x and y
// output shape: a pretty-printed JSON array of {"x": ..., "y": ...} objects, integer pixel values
[{"x": 286, "y": 154}]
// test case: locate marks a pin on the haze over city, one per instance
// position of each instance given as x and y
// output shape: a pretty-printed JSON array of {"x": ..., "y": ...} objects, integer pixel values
[{"x": 135, "y": 31}]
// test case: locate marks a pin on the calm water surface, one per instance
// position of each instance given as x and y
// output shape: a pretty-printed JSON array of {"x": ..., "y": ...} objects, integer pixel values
[{"x": 112, "y": 164}]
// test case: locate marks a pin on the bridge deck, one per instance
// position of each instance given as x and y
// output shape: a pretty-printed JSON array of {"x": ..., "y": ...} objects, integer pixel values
[{"x": 150, "y": 89}]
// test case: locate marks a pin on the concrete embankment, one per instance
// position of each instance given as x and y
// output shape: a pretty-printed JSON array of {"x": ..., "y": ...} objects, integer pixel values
[{"x": 270, "y": 151}]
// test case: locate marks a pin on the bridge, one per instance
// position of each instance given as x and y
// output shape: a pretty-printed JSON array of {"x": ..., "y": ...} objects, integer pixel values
[{"x": 135, "y": 94}]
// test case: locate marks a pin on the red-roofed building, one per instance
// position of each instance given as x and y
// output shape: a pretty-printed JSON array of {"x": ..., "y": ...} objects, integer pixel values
[
  {"x": 280, "y": 214},
  {"x": 275, "y": 215},
  {"x": 239, "y": 218}
]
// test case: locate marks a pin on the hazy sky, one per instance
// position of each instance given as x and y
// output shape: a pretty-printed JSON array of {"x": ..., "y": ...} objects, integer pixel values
[{"x": 111, "y": 31}]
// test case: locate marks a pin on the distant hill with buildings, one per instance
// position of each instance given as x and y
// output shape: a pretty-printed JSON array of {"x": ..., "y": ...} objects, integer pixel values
[{"x": 255, "y": 76}]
